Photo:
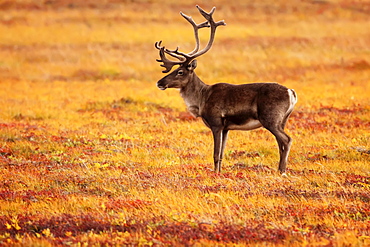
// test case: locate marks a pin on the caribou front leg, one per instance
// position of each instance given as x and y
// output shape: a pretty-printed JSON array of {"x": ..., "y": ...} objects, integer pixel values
[
  {"x": 219, "y": 141},
  {"x": 224, "y": 139}
]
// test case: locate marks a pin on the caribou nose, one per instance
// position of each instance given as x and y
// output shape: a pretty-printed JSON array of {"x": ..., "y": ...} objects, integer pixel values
[{"x": 161, "y": 86}]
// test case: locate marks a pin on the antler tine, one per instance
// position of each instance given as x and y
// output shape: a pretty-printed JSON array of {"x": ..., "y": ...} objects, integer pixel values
[
  {"x": 196, "y": 27},
  {"x": 176, "y": 53},
  {"x": 209, "y": 16},
  {"x": 168, "y": 64},
  {"x": 213, "y": 25}
]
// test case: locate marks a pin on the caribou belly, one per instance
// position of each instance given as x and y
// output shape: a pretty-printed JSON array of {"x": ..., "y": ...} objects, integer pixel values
[{"x": 250, "y": 124}]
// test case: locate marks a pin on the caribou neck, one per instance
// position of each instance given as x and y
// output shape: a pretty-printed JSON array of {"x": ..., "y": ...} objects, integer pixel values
[{"x": 194, "y": 94}]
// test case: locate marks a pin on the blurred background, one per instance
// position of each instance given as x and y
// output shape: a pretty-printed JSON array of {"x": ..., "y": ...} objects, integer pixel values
[{"x": 265, "y": 40}]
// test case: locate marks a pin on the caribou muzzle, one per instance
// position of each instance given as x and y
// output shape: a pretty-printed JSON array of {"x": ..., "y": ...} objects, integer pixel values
[{"x": 161, "y": 85}]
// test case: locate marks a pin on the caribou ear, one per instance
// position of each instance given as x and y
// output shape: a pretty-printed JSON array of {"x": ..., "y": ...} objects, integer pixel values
[{"x": 191, "y": 66}]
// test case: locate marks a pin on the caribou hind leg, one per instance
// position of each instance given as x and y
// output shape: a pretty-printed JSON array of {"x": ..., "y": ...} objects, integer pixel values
[
  {"x": 274, "y": 118},
  {"x": 284, "y": 142}
]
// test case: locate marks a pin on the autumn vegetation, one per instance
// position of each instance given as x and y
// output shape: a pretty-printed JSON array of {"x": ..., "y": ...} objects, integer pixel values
[{"x": 93, "y": 154}]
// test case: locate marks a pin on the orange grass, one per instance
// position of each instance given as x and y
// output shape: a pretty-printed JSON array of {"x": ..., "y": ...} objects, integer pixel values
[{"x": 92, "y": 153}]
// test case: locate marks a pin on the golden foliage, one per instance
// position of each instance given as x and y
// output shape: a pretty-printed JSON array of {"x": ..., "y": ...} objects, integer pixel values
[{"x": 91, "y": 152}]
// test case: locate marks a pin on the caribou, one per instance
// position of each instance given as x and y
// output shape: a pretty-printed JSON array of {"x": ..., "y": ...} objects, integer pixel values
[{"x": 222, "y": 106}]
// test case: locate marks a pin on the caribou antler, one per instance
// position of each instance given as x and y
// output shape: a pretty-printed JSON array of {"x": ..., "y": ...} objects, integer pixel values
[
  {"x": 185, "y": 58},
  {"x": 213, "y": 26},
  {"x": 168, "y": 64},
  {"x": 196, "y": 28}
]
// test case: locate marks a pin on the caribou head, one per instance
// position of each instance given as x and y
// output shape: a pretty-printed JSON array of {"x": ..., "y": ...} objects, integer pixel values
[{"x": 187, "y": 62}]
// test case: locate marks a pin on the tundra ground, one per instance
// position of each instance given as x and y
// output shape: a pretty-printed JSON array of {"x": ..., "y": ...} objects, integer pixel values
[{"x": 92, "y": 153}]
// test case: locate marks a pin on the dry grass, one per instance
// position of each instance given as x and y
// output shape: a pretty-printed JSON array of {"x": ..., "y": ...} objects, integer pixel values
[{"x": 92, "y": 153}]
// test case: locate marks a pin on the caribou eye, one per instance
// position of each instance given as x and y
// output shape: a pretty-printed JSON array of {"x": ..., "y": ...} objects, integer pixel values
[{"x": 180, "y": 72}]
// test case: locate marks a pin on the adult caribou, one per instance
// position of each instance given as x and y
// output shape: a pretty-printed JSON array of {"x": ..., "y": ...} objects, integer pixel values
[{"x": 223, "y": 106}]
